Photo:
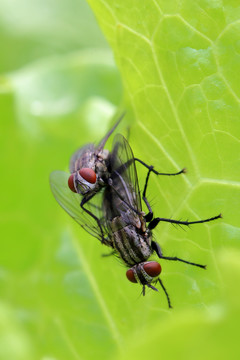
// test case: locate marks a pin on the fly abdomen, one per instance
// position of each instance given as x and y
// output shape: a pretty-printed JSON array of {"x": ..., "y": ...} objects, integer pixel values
[{"x": 130, "y": 245}]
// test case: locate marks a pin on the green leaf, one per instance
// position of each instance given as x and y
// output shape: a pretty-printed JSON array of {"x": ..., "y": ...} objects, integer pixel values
[{"x": 178, "y": 62}]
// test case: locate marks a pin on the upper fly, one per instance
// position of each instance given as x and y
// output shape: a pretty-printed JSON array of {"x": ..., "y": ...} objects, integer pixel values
[{"x": 89, "y": 168}]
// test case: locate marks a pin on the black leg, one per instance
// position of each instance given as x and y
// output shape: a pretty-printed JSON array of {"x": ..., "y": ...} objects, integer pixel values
[
  {"x": 157, "y": 249},
  {"x": 174, "y": 258},
  {"x": 150, "y": 286},
  {"x": 166, "y": 293},
  {"x": 84, "y": 201},
  {"x": 151, "y": 168},
  {"x": 155, "y": 221},
  {"x": 149, "y": 216}
]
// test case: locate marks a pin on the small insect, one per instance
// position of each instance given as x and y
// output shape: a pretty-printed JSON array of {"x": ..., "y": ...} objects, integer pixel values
[
  {"x": 89, "y": 168},
  {"x": 129, "y": 234}
]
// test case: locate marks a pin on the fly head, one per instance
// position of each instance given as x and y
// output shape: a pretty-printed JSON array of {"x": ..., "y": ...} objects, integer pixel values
[
  {"x": 144, "y": 273},
  {"x": 83, "y": 181}
]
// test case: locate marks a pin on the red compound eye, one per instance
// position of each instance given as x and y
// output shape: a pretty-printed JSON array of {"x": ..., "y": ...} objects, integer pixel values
[
  {"x": 130, "y": 276},
  {"x": 88, "y": 174},
  {"x": 152, "y": 268},
  {"x": 71, "y": 183}
]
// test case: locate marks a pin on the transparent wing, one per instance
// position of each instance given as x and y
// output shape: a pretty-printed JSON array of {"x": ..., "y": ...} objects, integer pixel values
[
  {"x": 123, "y": 164},
  {"x": 124, "y": 180},
  {"x": 104, "y": 140},
  {"x": 70, "y": 202},
  {"x": 81, "y": 156}
]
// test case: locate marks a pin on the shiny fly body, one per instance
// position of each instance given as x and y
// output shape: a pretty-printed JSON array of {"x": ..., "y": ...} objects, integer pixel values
[
  {"x": 129, "y": 227},
  {"x": 89, "y": 168}
]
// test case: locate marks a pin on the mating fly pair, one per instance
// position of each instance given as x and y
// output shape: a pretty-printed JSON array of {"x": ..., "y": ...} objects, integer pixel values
[{"x": 102, "y": 194}]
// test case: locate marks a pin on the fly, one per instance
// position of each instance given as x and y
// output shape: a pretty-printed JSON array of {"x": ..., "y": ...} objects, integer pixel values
[
  {"x": 89, "y": 168},
  {"x": 130, "y": 232}
]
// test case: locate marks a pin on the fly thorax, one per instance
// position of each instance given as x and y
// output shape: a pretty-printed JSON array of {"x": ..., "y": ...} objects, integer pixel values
[
  {"x": 117, "y": 223},
  {"x": 148, "y": 236},
  {"x": 104, "y": 154},
  {"x": 129, "y": 216},
  {"x": 101, "y": 166},
  {"x": 87, "y": 160},
  {"x": 102, "y": 171},
  {"x": 138, "y": 222}
]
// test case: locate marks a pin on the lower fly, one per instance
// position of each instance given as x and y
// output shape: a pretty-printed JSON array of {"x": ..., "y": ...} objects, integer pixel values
[{"x": 129, "y": 228}]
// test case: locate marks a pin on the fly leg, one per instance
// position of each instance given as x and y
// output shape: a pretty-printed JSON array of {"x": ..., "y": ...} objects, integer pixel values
[
  {"x": 151, "y": 168},
  {"x": 84, "y": 201},
  {"x": 149, "y": 216},
  {"x": 157, "y": 249},
  {"x": 153, "y": 288},
  {"x": 166, "y": 293},
  {"x": 153, "y": 223}
]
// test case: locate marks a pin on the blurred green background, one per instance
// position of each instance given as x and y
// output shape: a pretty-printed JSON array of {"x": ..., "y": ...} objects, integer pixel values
[{"x": 177, "y": 75}]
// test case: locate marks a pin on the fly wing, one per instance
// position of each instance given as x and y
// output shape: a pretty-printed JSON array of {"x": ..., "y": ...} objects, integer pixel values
[
  {"x": 125, "y": 188},
  {"x": 104, "y": 140},
  {"x": 70, "y": 202},
  {"x": 80, "y": 158}
]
